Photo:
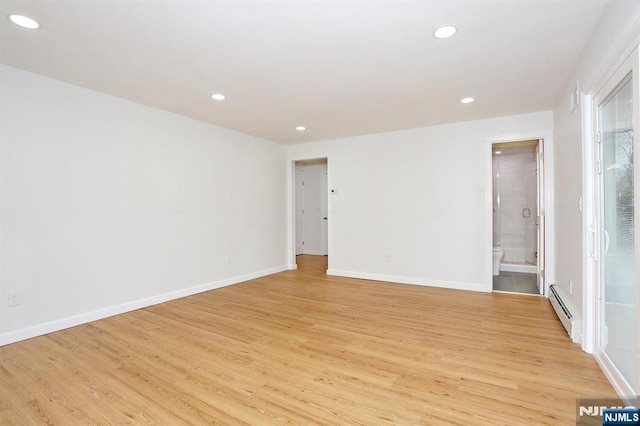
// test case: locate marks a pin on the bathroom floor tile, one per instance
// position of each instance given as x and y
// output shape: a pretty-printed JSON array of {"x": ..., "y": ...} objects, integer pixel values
[
  {"x": 516, "y": 282},
  {"x": 504, "y": 282},
  {"x": 503, "y": 285}
]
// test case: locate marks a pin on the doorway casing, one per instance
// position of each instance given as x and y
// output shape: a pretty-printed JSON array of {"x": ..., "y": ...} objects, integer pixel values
[
  {"x": 326, "y": 208},
  {"x": 546, "y": 138}
]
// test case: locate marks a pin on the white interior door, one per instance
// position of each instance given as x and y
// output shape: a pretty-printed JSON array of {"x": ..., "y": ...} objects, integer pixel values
[
  {"x": 325, "y": 213},
  {"x": 299, "y": 194},
  {"x": 618, "y": 342},
  {"x": 540, "y": 222}
]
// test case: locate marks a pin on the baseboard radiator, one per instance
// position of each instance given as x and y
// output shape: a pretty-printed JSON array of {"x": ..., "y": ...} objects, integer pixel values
[{"x": 569, "y": 320}]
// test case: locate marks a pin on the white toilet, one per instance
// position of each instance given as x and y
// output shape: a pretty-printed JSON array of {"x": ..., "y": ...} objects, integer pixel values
[{"x": 498, "y": 254}]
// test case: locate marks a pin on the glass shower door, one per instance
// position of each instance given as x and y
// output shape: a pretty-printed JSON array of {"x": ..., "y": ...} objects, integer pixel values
[{"x": 617, "y": 249}]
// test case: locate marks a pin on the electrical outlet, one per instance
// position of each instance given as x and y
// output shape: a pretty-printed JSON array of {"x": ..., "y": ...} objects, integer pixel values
[{"x": 14, "y": 298}]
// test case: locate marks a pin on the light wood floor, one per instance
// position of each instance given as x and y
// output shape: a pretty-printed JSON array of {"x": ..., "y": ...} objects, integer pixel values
[{"x": 300, "y": 347}]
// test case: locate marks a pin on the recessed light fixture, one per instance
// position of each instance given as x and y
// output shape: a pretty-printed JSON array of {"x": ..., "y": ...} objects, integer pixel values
[
  {"x": 301, "y": 128},
  {"x": 24, "y": 22},
  {"x": 498, "y": 152},
  {"x": 445, "y": 32},
  {"x": 466, "y": 100},
  {"x": 218, "y": 97}
]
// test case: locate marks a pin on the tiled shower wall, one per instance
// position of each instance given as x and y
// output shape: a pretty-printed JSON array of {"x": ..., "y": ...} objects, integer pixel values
[{"x": 514, "y": 218}]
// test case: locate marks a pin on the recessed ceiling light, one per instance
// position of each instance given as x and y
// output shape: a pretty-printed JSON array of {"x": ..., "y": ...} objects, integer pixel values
[
  {"x": 24, "y": 22},
  {"x": 301, "y": 128},
  {"x": 218, "y": 97},
  {"x": 445, "y": 32},
  {"x": 498, "y": 152},
  {"x": 466, "y": 100}
]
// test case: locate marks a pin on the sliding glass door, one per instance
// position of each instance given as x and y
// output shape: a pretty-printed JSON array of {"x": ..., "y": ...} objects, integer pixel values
[{"x": 617, "y": 273}]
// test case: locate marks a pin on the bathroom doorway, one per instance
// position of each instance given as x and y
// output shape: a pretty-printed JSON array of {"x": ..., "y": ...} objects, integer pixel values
[{"x": 518, "y": 216}]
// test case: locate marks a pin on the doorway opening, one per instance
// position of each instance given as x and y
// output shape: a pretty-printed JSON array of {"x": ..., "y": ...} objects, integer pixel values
[
  {"x": 311, "y": 219},
  {"x": 518, "y": 216}
]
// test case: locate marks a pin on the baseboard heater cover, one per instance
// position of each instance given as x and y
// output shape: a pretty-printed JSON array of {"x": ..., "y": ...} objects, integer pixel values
[{"x": 565, "y": 313}]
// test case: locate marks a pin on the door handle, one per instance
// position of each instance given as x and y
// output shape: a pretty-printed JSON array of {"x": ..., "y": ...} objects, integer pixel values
[
  {"x": 324, "y": 218},
  {"x": 592, "y": 243}
]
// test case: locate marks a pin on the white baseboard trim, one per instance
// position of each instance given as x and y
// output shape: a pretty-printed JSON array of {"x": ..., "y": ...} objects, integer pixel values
[
  {"x": 314, "y": 252},
  {"x": 292, "y": 267},
  {"x": 612, "y": 374},
  {"x": 410, "y": 280},
  {"x": 62, "y": 323}
]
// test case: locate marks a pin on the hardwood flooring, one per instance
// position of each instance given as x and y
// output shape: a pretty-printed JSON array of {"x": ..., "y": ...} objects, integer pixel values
[{"x": 300, "y": 347}]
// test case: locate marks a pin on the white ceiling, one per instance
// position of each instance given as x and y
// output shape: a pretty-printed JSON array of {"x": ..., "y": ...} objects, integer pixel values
[{"x": 339, "y": 67}]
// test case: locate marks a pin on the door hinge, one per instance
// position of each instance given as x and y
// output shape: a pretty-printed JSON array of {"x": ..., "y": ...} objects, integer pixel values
[
  {"x": 541, "y": 157},
  {"x": 598, "y": 137},
  {"x": 598, "y": 169}
]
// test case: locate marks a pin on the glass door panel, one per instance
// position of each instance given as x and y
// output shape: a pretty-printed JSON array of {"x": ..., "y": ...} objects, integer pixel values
[{"x": 617, "y": 250}]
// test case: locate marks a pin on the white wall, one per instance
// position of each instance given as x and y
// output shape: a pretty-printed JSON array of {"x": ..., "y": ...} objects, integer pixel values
[
  {"x": 108, "y": 205},
  {"x": 616, "y": 36},
  {"x": 313, "y": 206},
  {"x": 414, "y": 206}
]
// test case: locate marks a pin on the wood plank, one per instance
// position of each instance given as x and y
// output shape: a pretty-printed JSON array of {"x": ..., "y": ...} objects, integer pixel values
[{"x": 305, "y": 348}]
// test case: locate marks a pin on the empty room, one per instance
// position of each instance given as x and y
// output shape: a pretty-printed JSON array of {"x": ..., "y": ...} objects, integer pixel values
[{"x": 319, "y": 212}]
